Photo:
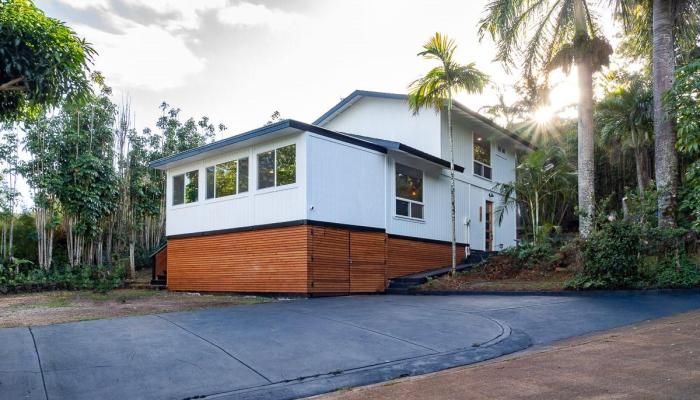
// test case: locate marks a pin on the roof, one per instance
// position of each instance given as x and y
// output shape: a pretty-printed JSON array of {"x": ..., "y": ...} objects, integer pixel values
[
  {"x": 357, "y": 94},
  {"x": 380, "y": 145}
]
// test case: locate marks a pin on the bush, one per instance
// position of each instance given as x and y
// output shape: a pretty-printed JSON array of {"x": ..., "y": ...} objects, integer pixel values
[
  {"x": 624, "y": 254},
  {"x": 83, "y": 277}
]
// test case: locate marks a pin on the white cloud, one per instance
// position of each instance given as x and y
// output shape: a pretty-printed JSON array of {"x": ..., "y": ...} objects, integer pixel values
[
  {"x": 147, "y": 57},
  {"x": 85, "y": 4},
  {"x": 249, "y": 15},
  {"x": 186, "y": 13}
]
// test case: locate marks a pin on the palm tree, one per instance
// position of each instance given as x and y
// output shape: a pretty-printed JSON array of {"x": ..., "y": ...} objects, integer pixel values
[
  {"x": 542, "y": 190},
  {"x": 548, "y": 34},
  {"x": 437, "y": 88},
  {"x": 624, "y": 116},
  {"x": 674, "y": 25}
]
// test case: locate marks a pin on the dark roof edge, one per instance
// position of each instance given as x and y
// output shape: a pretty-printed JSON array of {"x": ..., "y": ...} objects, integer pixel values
[
  {"x": 397, "y": 96},
  {"x": 429, "y": 157}
]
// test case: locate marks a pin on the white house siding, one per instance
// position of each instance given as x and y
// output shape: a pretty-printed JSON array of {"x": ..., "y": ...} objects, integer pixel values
[
  {"x": 390, "y": 119},
  {"x": 255, "y": 207},
  {"x": 346, "y": 183}
]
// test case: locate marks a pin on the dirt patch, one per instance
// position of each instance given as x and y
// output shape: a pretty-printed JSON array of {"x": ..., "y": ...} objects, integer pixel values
[
  {"x": 56, "y": 307},
  {"x": 506, "y": 273}
]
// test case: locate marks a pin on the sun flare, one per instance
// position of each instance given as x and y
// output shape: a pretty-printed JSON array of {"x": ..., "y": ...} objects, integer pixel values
[{"x": 544, "y": 115}]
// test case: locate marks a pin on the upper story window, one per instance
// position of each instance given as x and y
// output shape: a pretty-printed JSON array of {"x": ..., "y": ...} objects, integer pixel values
[
  {"x": 277, "y": 167},
  {"x": 409, "y": 192},
  {"x": 186, "y": 188},
  {"x": 482, "y": 157},
  {"x": 501, "y": 149},
  {"x": 228, "y": 178}
]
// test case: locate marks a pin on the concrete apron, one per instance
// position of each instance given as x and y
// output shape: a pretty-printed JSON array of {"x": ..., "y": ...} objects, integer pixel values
[{"x": 298, "y": 348}]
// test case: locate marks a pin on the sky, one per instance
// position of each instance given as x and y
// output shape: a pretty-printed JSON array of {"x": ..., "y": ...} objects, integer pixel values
[{"x": 239, "y": 61}]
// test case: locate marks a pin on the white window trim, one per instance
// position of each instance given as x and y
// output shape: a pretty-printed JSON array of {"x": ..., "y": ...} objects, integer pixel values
[
  {"x": 409, "y": 201},
  {"x": 238, "y": 180},
  {"x": 184, "y": 203},
  {"x": 274, "y": 168},
  {"x": 474, "y": 160}
]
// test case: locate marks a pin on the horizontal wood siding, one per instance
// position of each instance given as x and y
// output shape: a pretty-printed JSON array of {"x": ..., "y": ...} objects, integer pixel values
[
  {"x": 329, "y": 265},
  {"x": 405, "y": 256},
  {"x": 268, "y": 260},
  {"x": 368, "y": 262},
  {"x": 161, "y": 261}
]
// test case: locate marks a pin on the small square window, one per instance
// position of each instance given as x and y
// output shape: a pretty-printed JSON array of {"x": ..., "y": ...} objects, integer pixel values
[
  {"x": 402, "y": 208},
  {"x": 416, "y": 210}
]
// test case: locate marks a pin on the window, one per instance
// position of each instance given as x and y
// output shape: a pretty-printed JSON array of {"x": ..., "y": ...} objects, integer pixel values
[
  {"x": 501, "y": 149},
  {"x": 409, "y": 192},
  {"x": 277, "y": 167},
  {"x": 227, "y": 178},
  {"x": 482, "y": 157},
  {"x": 186, "y": 188}
]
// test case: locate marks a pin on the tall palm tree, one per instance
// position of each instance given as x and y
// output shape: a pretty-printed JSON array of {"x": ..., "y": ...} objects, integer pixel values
[
  {"x": 625, "y": 117},
  {"x": 436, "y": 89},
  {"x": 541, "y": 36},
  {"x": 674, "y": 25}
]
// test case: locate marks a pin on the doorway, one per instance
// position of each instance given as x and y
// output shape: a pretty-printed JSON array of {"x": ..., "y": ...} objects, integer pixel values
[{"x": 488, "y": 227}]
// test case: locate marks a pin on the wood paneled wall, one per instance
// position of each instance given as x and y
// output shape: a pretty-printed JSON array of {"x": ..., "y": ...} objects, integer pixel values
[
  {"x": 260, "y": 261},
  {"x": 298, "y": 259},
  {"x": 407, "y": 256},
  {"x": 161, "y": 261}
]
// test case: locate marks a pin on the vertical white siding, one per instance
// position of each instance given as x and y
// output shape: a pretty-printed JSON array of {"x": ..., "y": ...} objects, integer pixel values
[
  {"x": 346, "y": 183},
  {"x": 390, "y": 119},
  {"x": 255, "y": 207}
]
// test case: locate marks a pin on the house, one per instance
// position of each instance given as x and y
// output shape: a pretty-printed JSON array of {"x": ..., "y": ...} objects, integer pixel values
[{"x": 342, "y": 205}]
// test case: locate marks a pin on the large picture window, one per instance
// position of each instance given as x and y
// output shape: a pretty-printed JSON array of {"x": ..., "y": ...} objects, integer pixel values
[
  {"x": 482, "y": 157},
  {"x": 186, "y": 188},
  {"x": 409, "y": 192},
  {"x": 277, "y": 167},
  {"x": 227, "y": 179}
]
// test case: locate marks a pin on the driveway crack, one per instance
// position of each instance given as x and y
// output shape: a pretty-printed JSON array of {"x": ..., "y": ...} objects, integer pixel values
[
  {"x": 38, "y": 358},
  {"x": 218, "y": 347}
]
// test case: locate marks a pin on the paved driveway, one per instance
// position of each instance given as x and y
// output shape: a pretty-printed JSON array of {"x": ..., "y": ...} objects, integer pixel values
[{"x": 301, "y": 347}]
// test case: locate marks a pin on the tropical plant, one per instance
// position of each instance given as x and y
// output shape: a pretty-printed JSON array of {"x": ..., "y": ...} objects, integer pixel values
[
  {"x": 664, "y": 28},
  {"x": 43, "y": 61},
  {"x": 684, "y": 100},
  {"x": 624, "y": 118},
  {"x": 545, "y": 35},
  {"x": 436, "y": 90},
  {"x": 543, "y": 190}
]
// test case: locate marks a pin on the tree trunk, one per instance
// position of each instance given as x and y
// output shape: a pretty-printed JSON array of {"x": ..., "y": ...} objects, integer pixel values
[
  {"x": 665, "y": 156},
  {"x": 639, "y": 166},
  {"x": 452, "y": 187},
  {"x": 586, "y": 146},
  {"x": 586, "y": 136},
  {"x": 132, "y": 255}
]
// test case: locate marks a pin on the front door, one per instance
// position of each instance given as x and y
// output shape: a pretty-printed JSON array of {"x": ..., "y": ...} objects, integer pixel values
[{"x": 488, "y": 246}]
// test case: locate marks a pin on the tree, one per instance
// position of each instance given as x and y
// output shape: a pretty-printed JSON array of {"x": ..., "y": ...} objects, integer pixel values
[
  {"x": 624, "y": 117},
  {"x": 666, "y": 29},
  {"x": 551, "y": 34},
  {"x": 542, "y": 190},
  {"x": 43, "y": 61},
  {"x": 436, "y": 90},
  {"x": 9, "y": 164},
  {"x": 684, "y": 100}
]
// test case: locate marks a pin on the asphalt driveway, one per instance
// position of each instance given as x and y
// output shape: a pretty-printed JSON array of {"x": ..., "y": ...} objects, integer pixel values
[{"x": 299, "y": 348}]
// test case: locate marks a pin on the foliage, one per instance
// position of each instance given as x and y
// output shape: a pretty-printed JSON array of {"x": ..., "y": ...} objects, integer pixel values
[
  {"x": 530, "y": 253},
  {"x": 684, "y": 100},
  {"x": 544, "y": 190},
  {"x": 80, "y": 277},
  {"x": 43, "y": 61},
  {"x": 626, "y": 254}
]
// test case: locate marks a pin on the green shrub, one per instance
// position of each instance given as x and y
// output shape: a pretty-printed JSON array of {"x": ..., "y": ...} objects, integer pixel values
[
  {"x": 612, "y": 254},
  {"x": 529, "y": 253},
  {"x": 82, "y": 277}
]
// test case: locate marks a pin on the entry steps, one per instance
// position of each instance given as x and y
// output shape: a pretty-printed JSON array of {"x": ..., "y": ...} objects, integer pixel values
[{"x": 403, "y": 284}]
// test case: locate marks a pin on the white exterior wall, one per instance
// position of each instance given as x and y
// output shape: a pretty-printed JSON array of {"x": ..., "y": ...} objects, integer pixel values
[
  {"x": 345, "y": 183},
  {"x": 255, "y": 207},
  {"x": 390, "y": 119}
]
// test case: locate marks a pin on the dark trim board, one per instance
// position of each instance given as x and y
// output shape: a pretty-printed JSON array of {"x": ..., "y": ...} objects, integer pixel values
[
  {"x": 418, "y": 239},
  {"x": 279, "y": 225}
]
